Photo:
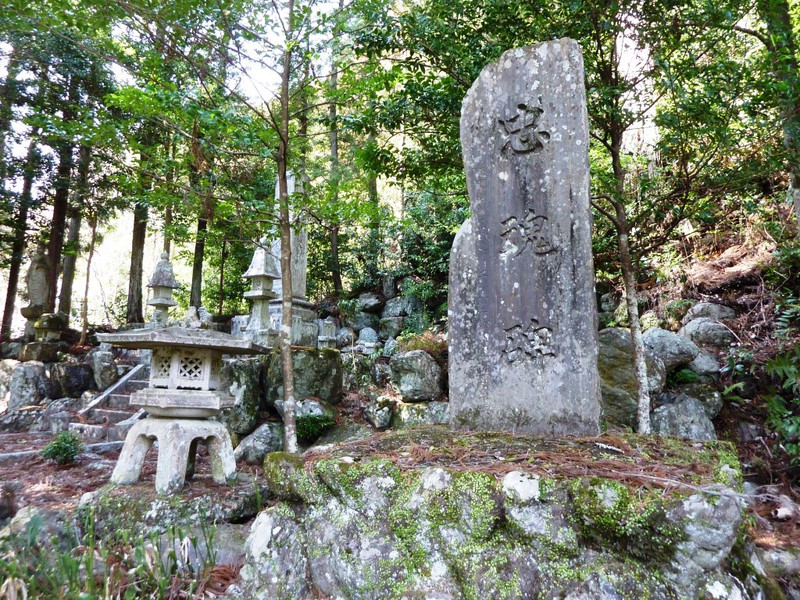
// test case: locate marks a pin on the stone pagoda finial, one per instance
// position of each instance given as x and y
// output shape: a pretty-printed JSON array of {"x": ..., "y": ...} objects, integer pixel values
[{"x": 162, "y": 283}]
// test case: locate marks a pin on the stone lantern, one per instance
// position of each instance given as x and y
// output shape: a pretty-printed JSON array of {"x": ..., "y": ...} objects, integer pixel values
[
  {"x": 185, "y": 369},
  {"x": 262, "y": 273},
  {"x": 162, "y": 283}
]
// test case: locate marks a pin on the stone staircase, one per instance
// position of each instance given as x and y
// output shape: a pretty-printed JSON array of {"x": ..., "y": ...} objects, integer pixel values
[{"x": 109, "y": 416}]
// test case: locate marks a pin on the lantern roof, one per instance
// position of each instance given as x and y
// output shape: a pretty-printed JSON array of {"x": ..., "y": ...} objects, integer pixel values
[
  {"x": 263, "y": 263},
  {"x": 182, "y": 337}
]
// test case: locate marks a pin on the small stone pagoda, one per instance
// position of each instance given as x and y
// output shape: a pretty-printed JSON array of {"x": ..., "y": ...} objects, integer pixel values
[
  {"x": 185, "y": 374},
  {"x": 162, "y": 283},
  {"x": 262, "y": 273}
]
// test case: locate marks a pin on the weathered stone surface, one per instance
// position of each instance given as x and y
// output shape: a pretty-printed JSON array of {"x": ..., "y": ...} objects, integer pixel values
[
  {"x": 684, "y": 417},
  {"x": 364, "y": 529},
  {"x": 378, "y": 412},
  {"x": 40, "y": 352},
  {"x": 362, "y": 319},
  {"x": 711, "y": 525},
  {"x": 618, "y": 376},
  {"x": 7, "y": 367},
  {"x": 704, "y": 363},
  {"x": 420, "y": 413},
  {"x": 391, "y": 327},
  {"x": 416, "y": 375},
  {"x": 11, "y": 350},
  {"x": 54, "y": 408},
  {"x": 275, "y": 562},
  {"x": 522, "y": 312},
  {"x": 709, "y": 310},
  {"x": 345, "y": 337},
  {"x": 242, "y": 378},
  {"x": 705, "y": 393},
  {"x": 104, "y": 368},
  {"x": 317, "y": 372},
  {"x": 703, "y": 330},
  {"x": 367, "y": 336},
  {"x": 29, "y": 385},
  {"x": 673, "y": 349},
  {"x": 370, "y": 302},
  {"x": 402, "y": 306},
  {"x": 265, "y": 439},
  {"x": 343, "y": 433},
  {"x": 73, "y": 379}
]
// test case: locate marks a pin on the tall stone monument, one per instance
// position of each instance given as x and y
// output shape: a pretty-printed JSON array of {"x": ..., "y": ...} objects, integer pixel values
[{"x": 522, "y": 311}]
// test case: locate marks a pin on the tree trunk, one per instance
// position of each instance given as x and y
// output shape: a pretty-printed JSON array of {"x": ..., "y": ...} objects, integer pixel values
[
  {"x": 289, "y": 411},
  {"x": 85, "y": 305},
  {"x": 74, "y": 232},
  {"x": 8, "y": 97},
  {"x": 197, "y": 263},
  {"x": 134, "y": 312},
  {"x": 374, "y": 223},
  {"x": 222, "y": 258},
  {"x": 629, "y": 279},
  {"x": 20, "y": 229},
  {"x": 58, "y": 222},
  {"x": 336, "y": 269}
]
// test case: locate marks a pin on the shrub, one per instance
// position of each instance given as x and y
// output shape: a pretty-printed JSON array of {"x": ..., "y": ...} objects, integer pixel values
[{"x": 63, "y": 448}]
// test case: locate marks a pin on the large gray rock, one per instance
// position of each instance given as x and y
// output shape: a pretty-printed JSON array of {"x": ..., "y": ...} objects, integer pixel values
[
  {"x": 370, "y": 302},
  {"x": 317, "y": 372},
  {"x": 703, "y": 330},
  {"x": 378, "y": 412},
  {"x": 345, "y": 337},
  {"x": 29, "y": 385},
  {"x": 707, "y": 394},
  {"x": 391, "y": 327},
  {"x": 416, "y": 375},
  {"x": 618, "y": 376},
  {"x": 73, "y": 378},
  {"x": 402, "y": 306},
  {"x": 7, "y": 367},
  {"x": 40, "y": 352},
  {"x": 673, "y": 349},
  {"x": 367, "y": 336},
  {"x": 363, "y": 319},
  {"x": 104, "y": 368},
  {"x": 711, "y": 524},
  {"x": 709, "y": 310},
  {"x": 242, "y": 378},
  {"x": 684, "y": 417},
  {"x": 705, "y": 364},
  {"x": 420, "y": 414},
  {"x": 522, "y": 308},
  {"x": 265, "y": 439}
]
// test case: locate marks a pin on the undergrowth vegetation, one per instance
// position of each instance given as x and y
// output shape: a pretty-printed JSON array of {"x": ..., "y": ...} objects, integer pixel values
[{"x": 37, "y": 564}]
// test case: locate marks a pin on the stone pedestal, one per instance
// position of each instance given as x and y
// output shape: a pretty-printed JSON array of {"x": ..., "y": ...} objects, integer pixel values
[
  {"x": 177, "y": 445},
  {"x": 304, "y": 328}
]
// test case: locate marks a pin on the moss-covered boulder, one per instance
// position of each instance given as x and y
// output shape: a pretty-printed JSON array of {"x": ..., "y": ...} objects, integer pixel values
[
  {"x": 412, "y": 524},
  {"x": 242, "y": 378},
  {"x": 317, "y": 373}
]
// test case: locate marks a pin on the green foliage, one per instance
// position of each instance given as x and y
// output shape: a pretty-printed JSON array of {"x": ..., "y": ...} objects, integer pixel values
[
  {"x": 783, "y": 402},
  {"x": 155, "y": 567},
  {"x": 309, "y": 428},
  {"x": 685, "y": 376},
  {"x": 63, "y": 448}
]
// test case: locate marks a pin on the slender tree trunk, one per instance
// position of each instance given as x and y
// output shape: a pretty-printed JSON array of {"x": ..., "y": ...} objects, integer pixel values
[
  {"x": 631, "y": 301},
  {"x": 195, "y": 298},
  {"x": 223, "y": 257},
  {"x": 8, "y": 97},
  {"x": 61, "y": 197},
  {"x": 289, "y": 414},
  {"x": 374, "y": 222},
  {"x": 85, "y": 304},
  {"x": 20, "y": 229},
  {"x": 74, "y": 231},
  {"x": 134, "y": 312},
  {"x": 336, "y": 269},
  {"x": 169, "y": 149}
]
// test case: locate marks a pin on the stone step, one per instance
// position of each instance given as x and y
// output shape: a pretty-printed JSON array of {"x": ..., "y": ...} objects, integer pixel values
[
  {"x": 134, "y": 385},
  {"x": 115, "y": 401},
  {"x": 89, "y": 433},
  {"x": 108, "y": 416}
]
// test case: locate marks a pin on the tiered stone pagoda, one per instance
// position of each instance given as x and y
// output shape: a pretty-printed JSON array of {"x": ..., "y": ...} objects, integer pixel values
[
  {"x": 162, "y": 283},
  {"x": 262, "y": 273},
  {"x": 185, "y": 373}
]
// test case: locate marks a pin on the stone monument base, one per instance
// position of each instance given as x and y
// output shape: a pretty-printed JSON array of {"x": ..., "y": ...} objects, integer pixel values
[
  {"x": 177, "y": 446},
  {"x": 304, "y": 327}
]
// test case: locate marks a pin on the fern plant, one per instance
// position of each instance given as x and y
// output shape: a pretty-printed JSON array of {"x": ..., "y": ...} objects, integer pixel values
[{"x": 783, "y": 403}]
